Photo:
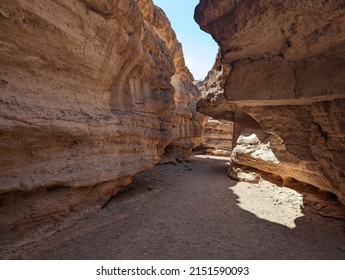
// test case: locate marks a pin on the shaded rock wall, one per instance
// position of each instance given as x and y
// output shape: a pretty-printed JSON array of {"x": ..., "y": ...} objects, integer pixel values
[
  {"x": 283, "y": 65},
  {"x": 186, "y": 126},
  {"x": 91, "y": 93},
  {"x": 216, "y": 136}
]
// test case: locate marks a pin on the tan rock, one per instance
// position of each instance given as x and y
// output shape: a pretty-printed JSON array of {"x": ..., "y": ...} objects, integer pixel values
[
  {"x": 285, "y": 70},
  {"x": 187, "y": 127},
  {"x": 217, "y": 137},
  {"x": 89, "y": 92},
  {"x": 217, "y": 134}
]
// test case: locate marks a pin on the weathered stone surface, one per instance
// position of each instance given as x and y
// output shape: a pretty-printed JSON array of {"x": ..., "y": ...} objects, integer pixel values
[
  {"x": 89, "y": 92},
  {"x": 217, "y": 137},
  {"x": 186, "y": 124},
  {"x": 216, "y": 134},
  {"x": 282, "y": 63}
]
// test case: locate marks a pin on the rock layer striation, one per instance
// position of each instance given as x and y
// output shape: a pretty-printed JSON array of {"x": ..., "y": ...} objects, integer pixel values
[
  {"x": 281, "y": 72},
  {"x": 91, "y": 93},
  {"x": 216, "y": 136}
]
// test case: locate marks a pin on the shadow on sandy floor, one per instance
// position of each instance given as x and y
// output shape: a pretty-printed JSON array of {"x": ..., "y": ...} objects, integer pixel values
[{"x": 188, "y": 211}]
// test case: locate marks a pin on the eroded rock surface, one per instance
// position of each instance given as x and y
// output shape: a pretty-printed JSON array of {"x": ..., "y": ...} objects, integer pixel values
[
  {"x": 88, "y": 93},
  {"x": 217, "y": 137},
  {"x": 282, "y": 65},
  {"x": 217, "y": 133},
  {"x": 186, "y": 124}
]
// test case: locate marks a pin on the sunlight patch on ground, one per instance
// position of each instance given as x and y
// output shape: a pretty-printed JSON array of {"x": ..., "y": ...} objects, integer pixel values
[
  {"x": 212, "y": 157},
  {"x": 270, "y": 202}
]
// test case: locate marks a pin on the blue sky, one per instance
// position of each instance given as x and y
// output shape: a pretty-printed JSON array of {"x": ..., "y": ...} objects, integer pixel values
[{"x": 198, "y": 47}]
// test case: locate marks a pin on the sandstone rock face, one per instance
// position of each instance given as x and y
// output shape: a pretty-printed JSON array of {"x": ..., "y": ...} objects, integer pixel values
[
  {"x": 91, "y": 92},
  {"x": 186, "y": 126},
  {"x": 217, "y": 137},
  {"x": 282, "y": 65}
]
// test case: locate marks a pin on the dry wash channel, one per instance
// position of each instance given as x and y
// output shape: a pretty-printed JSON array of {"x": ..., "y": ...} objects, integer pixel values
[
  {"x": 190, "y": 210},
  {"x": 94, "y": 92}
]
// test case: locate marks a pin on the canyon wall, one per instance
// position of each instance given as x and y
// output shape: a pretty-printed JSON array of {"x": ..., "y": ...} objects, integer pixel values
[
  {"x": 91, "y": 93},
  {"x": 186, "y": 125},
  {"x": 216, "y": 136},
  {"x": 282, "y": 73}
]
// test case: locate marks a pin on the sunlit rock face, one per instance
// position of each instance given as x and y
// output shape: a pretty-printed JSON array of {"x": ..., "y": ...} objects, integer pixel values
[
  {"x": 282, "y": 65},
  {"x": 217, "y": 133},
  {"x": 91, "y": 92},
  {"x": 217, "y": 137},
  {"x": 187, "y": 125}
]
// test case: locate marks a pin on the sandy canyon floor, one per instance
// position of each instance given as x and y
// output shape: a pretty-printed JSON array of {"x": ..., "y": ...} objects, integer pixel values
[{"x": 192, "y": 210}]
